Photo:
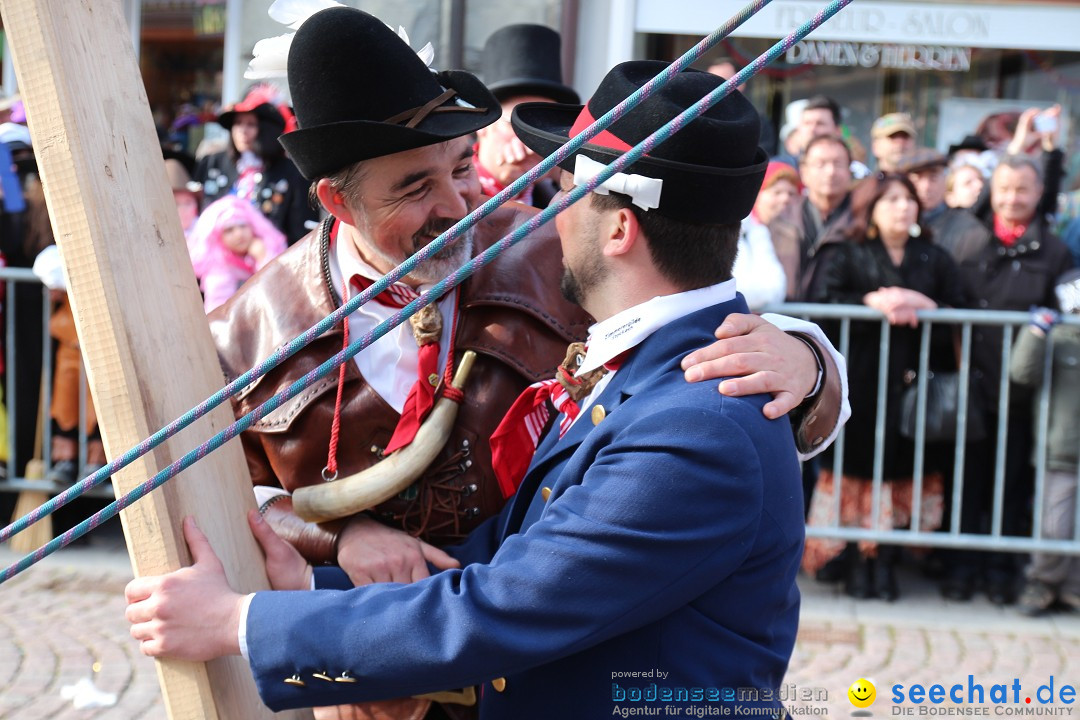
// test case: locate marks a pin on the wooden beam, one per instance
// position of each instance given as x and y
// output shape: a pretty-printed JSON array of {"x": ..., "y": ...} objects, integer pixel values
[{"x": 141, "y": 325}]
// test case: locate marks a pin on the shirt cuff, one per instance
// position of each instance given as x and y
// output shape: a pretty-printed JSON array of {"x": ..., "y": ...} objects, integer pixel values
[
  {"x": 790, "y": 324},
  {"x": 241, "y": 633},
  {"x": 266, "y": 493}
]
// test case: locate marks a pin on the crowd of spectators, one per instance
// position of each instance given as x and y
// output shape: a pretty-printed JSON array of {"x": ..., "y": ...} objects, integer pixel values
[
  {"x": 918, "y": 229},
  {"x": 239, "y": 201},
  {"x": 900, "y": 229}
]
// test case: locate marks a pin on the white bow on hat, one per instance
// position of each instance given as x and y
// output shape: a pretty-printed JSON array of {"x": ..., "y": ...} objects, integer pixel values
[{"x": 643, "y": 191}]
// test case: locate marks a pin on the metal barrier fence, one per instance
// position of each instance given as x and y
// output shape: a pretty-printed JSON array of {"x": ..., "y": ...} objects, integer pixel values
[
  {"x": 964, "y": 320},
  {"x": 13, "y": 394}
]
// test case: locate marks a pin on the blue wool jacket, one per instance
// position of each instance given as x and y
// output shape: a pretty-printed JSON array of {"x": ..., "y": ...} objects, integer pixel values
[{"x": 648, "y": 560}]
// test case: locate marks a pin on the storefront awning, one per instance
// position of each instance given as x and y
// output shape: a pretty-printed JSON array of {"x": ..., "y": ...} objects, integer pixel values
[
  {"x": 178, "y": 4},
  {"x": 1018, "y": 25}
]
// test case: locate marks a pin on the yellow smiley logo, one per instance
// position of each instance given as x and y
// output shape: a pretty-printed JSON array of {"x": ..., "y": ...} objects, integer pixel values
[{"x": 862, "y": 693}]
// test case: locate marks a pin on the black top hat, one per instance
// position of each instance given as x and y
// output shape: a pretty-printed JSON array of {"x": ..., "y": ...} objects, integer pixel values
[
  {"x": 712, "y": 168},
  {"x": 360, "y": 92},
  {"x": 524, "y": 60}
]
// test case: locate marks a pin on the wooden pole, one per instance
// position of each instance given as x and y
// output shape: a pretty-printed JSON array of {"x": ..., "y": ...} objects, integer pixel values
[{"x": 144, "y": 336}]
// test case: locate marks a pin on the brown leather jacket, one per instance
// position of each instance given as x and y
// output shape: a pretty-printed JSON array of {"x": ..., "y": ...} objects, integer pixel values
[{"x": 511, "y": 313}]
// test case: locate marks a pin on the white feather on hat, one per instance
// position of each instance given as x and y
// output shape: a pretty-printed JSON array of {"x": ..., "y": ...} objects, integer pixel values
[
  {"x": 270, "y": 58},
  {"x": 293, "y": 13},
  {"x": 271, "y": 55}
]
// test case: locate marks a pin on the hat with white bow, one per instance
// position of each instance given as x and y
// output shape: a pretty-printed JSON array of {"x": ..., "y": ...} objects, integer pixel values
[{"x": 709, "y": 171}]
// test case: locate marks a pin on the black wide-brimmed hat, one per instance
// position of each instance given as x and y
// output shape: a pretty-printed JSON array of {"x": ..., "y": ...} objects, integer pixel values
[
  {"x": 524, "y": 60},
  {"x": 359, "y": 92},
  {"x": 711, "y": 169},
  {"x": 259, "y": 103},
  {"x": 970, "y": 142}
]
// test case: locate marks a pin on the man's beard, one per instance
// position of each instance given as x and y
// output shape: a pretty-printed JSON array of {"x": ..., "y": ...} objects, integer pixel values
[
  {"x": 440, "y": 264},
  {"x": 570, "y": 287},
  {"x": 576, "y": 286}
]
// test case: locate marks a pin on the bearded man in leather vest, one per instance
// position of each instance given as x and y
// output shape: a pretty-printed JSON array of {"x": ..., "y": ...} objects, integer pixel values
[{"x": 387, "y": 145}]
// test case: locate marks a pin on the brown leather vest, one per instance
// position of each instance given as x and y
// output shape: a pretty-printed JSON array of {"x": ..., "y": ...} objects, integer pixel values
[{"x": 511, "y": 315}]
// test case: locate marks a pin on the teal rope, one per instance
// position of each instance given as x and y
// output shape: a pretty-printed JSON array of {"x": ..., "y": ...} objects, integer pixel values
[
  {"x": 437, "y": 291},
  {"x": 451, "y": 235}
]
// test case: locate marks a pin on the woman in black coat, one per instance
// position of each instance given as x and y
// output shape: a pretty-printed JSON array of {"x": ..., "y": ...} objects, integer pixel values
[
  {"x": 890, "y": 264},
  {"x": 255, "y": 168}
]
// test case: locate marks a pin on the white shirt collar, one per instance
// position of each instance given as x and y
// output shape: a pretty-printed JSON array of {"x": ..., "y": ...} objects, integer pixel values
[
  {"x": 350, "y": 263},
  {"x": 628, "y": 328}
]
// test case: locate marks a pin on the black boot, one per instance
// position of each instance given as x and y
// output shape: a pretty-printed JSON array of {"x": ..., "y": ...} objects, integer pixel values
[
  {"x": 885, "y": 586},
  {"x": 837, "y": 569},
  {"x": 1001, "y": 578},
  {"x": 958, "y": 585},
  {"x": 859, "y": 582}
]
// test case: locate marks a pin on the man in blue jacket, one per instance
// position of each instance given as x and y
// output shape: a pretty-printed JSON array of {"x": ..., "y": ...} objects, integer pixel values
[{"x": 648, "y": 558}]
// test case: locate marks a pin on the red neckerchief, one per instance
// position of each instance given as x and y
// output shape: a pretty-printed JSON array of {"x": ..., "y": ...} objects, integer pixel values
[
  {"x": 492, "y": 187},
  {"x": 1008, "y": 234},
  {"x": 421, "y": 396},
  {"x": 514, "y": 442}
]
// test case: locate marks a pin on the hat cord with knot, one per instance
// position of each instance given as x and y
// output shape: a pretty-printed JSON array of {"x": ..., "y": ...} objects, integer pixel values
[{"x": 416, "y": 115}]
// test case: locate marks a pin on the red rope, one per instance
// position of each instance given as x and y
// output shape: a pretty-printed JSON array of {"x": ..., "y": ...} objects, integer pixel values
[
  {"x": 449, "y": 391},
  {"x": 335, "y": 428}
]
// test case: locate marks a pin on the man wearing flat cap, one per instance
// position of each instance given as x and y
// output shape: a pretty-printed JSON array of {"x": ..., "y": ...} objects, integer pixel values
[
  {"x": 955, "y": 229},
  {"x": 891, "y": 137},
  {"x": 658, "y": 526},
  {"x": 391, "y": 161}
]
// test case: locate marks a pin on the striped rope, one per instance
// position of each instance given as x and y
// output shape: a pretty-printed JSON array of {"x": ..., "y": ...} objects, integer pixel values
[
  {"x": 437, "y": 291},
  {"x": 460, "y": 228}
]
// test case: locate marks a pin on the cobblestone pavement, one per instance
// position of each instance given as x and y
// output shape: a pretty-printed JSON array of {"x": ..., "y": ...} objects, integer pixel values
[
  {"x": 923, "y": 639},
  {"x": 57, "y": 619},
  {"x": 55, "y": 623}
]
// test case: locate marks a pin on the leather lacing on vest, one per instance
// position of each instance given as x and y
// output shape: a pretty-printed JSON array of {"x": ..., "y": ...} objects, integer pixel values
[{"x": 439, "y": 495}]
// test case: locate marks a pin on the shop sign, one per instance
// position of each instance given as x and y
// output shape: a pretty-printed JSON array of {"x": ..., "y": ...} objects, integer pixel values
[
  {"x": 943, "y": 24},
  {"x": 995, "y": 24},
  {"x": 871, "y": 55},
  {"x": 210, "y": 20}
]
